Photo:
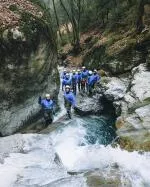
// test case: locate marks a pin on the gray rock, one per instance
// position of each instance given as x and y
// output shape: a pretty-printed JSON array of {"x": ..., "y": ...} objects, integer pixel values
[
  {"x": 28, "y": 70},
  {"x": 136, "y": 110},
  {"x": 113, "y": 88},
  {"x": 86, "y": 105}
]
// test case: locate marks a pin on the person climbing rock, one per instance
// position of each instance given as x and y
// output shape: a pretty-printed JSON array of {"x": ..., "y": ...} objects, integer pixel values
[
  {"x": 66, "y": 81},
  {"x": 84, "y": 78},
  {"x": 69, "y": 100},
  {"x": 74, "y": 80},
  {"x": 79, "y": 76},
  {"x": 47, "y": 108}
]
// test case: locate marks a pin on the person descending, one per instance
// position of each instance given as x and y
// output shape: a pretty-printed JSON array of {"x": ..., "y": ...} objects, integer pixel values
[
  {"x": 90, "y": 82},
  {"x": 69, "y": 100},
  {"x": 84, "y": 78},
  {"x": 66, "y": 80},
  {"x": 79, "y": 76},
  {"x": 47, "y": 108},
  {"x": 74, "y": 80}
]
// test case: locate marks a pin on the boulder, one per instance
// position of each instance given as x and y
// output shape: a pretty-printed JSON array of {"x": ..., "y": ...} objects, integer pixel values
[
  {"x": 89, "y": 105},
  {"x": 28, "y": 67}
]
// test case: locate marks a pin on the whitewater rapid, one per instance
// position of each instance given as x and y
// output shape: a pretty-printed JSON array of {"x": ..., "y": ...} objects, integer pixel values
[
  {"x": 77, "y": 155},
  {"x": 33, "y": 160}
]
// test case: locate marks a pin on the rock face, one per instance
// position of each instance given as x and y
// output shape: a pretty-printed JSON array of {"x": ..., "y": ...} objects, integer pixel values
[
  {"x": 28, "y": 65},
  {"x": 131, "y": 99},
  {"x": 86, "y": 105}
]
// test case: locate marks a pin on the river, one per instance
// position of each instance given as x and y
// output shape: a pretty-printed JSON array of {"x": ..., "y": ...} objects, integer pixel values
[{"x": 77, "y": 153}]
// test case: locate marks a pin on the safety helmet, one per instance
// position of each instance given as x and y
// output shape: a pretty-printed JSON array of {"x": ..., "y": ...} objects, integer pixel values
[
  {"x": 65, "y": 70},
  {"x": 67, "y": 87},
  {"x": 73, "y": 71},
  {"x": 78, "y": 70},
  {"x": 67, "y": 75},
  {"x": 90, "y": 72},
  {"x": 95, "y": 70},
  {"x": 47, "y": 95},
  {"x": 83, "y": 67}
]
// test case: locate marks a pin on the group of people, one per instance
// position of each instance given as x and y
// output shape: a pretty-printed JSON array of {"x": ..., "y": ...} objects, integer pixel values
[{"x": 84, "y": 80}]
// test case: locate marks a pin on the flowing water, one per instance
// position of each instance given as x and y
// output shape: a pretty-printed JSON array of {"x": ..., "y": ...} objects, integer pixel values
[{"x": 70, "y": 154}]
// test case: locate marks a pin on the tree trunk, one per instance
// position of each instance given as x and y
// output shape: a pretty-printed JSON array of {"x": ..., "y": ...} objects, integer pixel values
[
  {"x": 57, "y": 20},
  {"x": 140, "y": 23}
]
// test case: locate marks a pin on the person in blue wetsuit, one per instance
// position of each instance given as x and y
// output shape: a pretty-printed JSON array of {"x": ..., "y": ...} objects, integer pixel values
[
  {"x": 66, "y": 81},
  {"x": 69, "y": 100},
  {"x": 96, "y": 77},
  {"x": 63, "y": 75},
  {"x": 47, "y": 108},
  {"x": 90, "y": 82},
  {"x": 79, "y": 77},
  {"x": 74, "y": 81},
  {"x": 84, "y": 75}
]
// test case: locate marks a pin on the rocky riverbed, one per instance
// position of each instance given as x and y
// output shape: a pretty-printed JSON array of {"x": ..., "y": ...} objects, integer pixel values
[{"x": 130, "y": 95}]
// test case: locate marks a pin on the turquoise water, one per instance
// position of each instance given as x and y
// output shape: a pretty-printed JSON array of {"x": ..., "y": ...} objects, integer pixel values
[{"x": 99, "y": 130}]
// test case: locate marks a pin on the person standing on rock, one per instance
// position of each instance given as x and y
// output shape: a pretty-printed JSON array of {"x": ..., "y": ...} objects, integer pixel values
[
  {"x": 74, "y": 81},
  {"x": 96, "y": 77},
  {"x": 63, "y": 76},
  {"x": 84, "y": 75},
  {"x": 90, "y": 83},
  {"x": 79, "y": 77},
  {"x": 69, "y": 100},
  {"x": 47, "y": 108}
]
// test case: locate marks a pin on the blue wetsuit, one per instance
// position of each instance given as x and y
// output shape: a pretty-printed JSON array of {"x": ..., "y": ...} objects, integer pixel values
[
  {"x": 47, "y": 106},
  {"x": 69, "y": 101},
  {"x": 74, "y": 81}
]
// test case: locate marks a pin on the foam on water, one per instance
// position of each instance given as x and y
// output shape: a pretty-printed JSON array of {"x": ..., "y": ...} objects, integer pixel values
[
  {"x": 30, "y": 164},
  {"x": 77, "y": 155}
]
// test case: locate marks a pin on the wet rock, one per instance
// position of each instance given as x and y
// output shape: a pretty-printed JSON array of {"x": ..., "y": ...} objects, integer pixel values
[
  {"x": 111, "y": 177},
  {"x": 135, "y": 107},
  {"x": 131, "y": 99},
  {"x": 28, "y": 69},
  {"x": 89, "y": 105},
  {"x": 113, "y": 88}
]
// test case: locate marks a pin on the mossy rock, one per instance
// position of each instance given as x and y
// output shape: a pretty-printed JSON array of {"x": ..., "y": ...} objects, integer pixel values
[
  {"x": 97, "y": 181},
  {"x": 131, "y": 144}
]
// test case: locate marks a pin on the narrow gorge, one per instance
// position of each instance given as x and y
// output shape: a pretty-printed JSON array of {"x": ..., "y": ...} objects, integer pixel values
[{"x": 107, "y": 141}]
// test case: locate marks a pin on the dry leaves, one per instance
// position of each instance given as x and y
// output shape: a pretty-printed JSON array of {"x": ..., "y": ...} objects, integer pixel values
[{"x": 10, "y": 18}]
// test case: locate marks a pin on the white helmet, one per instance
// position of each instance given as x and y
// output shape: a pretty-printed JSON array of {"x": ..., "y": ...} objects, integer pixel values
[
  {"x": 78, "y": 70},
  {"x": 90, "y": 72},
  {"x": 47, "y": 95},
  {"x": 65, "y": 70},
  {"x": 67, "y": 74},
  {"x": 73, "y": 71},
  {"x": 67, "y": 86},
  {"x": 95, "y": 70},
  {"x": 83, "y": 67}
]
